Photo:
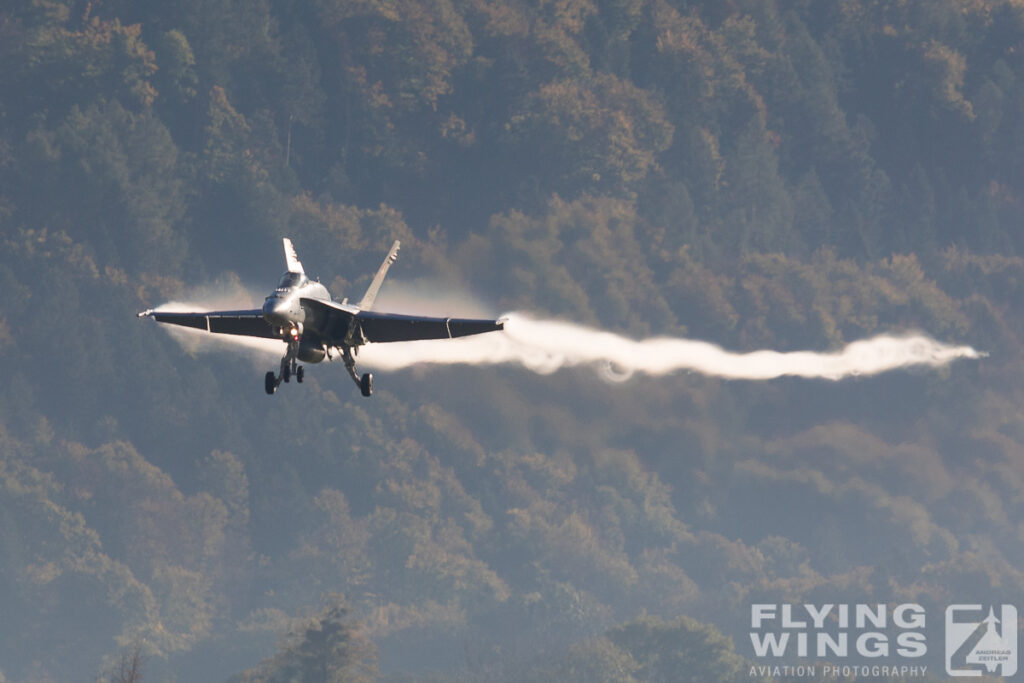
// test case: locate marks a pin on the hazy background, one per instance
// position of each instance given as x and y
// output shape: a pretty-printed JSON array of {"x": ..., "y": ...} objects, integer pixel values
[{"x": 788, "y": 175}]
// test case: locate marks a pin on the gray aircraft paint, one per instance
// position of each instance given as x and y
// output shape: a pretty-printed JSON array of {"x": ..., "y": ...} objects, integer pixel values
[{"x": 301, "y": 313}]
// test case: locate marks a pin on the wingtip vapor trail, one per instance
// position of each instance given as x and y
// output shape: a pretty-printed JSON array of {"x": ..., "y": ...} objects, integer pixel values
[{"x": 545, "y": 346}]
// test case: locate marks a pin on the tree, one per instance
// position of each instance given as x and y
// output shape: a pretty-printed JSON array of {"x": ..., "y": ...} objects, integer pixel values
[
  {"x": 602, "y": 132},
  {"x": 327, "y": 647},
  {"x": 127, "y": 668},
  {"x": 678, "y": 651},
  {"x": 596, "y": 660},
  {"x": 177, "y": 77}
]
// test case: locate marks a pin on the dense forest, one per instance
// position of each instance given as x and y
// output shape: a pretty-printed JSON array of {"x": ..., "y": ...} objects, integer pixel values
[{"x": 788, "y": 174}]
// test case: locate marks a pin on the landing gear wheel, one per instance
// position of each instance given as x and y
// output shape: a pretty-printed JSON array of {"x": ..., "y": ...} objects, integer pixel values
[
  {"x": 286, "y": 374},
  {"x": 366, "y": 384},
  {"x": 299, "y": 374},
  {"x": 270, "y": 383}
]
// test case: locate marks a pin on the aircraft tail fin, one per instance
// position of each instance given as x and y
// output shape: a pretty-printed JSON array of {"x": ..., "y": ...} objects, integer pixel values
[
  {"x": 294, "y": 264},
  {"x": 371, "y": 292}
]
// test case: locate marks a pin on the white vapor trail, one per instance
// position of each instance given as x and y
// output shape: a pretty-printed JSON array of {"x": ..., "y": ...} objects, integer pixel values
[{"x": 545, "y": 346}]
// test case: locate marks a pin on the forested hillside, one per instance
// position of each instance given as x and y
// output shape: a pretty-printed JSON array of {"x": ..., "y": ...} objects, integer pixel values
[{"x": 788, "y": 174}]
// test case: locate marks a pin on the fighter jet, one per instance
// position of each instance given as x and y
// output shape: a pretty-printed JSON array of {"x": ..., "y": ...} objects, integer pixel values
[{"x": 301, "y": 313}]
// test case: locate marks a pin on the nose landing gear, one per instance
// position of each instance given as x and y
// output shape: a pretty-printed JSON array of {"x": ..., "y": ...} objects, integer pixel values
[{"x": 289, "y": 366}]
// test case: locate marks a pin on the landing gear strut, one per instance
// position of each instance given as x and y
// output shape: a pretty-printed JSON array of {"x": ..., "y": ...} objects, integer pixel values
[
  {"x": 365, "y": 383},
  {"x": 289, "y": 366}
]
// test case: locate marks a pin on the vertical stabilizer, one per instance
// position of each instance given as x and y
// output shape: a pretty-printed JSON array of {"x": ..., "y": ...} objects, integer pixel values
[
  {"x": 371, "y": 292},
  {"x": 294, "y": 264}
]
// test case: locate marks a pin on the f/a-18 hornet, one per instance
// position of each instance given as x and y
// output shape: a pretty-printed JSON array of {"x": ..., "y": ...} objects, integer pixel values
[{"x": 301, "y": 313}]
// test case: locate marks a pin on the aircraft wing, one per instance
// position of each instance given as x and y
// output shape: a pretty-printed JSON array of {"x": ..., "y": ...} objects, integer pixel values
[
  {"x": 390, "y": 327},
  {"x": 345, "y": 324},
  {"x": 244, "y": 323}
]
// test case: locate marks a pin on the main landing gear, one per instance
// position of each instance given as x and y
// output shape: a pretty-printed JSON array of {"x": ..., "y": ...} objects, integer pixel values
[
  {"x": 365, "y": 383},
  {"x": 289, "y": 367}
]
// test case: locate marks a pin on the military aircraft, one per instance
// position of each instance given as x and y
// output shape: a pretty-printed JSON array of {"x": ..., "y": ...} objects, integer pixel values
[{"x": 301, "y": 313}]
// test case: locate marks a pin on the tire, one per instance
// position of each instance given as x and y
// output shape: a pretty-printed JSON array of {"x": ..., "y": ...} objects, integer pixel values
[
  {"x": 286, "y": 374},
  {"x": 299, "y": 374},
  {"x": 366, "y": 384},
  {"x": 270, "y": 383}
]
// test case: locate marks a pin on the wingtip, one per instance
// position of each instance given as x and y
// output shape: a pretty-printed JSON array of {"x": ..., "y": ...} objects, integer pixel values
[{"x": 146, "y": 313}]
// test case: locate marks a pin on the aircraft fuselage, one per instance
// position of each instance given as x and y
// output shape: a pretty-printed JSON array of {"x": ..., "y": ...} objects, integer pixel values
[{"x": 283, "y": 308}]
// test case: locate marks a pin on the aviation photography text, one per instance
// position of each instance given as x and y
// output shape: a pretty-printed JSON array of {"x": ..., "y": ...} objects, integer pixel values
[{"x": 838, "y": 640}]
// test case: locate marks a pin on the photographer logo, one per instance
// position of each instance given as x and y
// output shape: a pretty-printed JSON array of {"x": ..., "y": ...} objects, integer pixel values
[{"x": 981, "y": 642}]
